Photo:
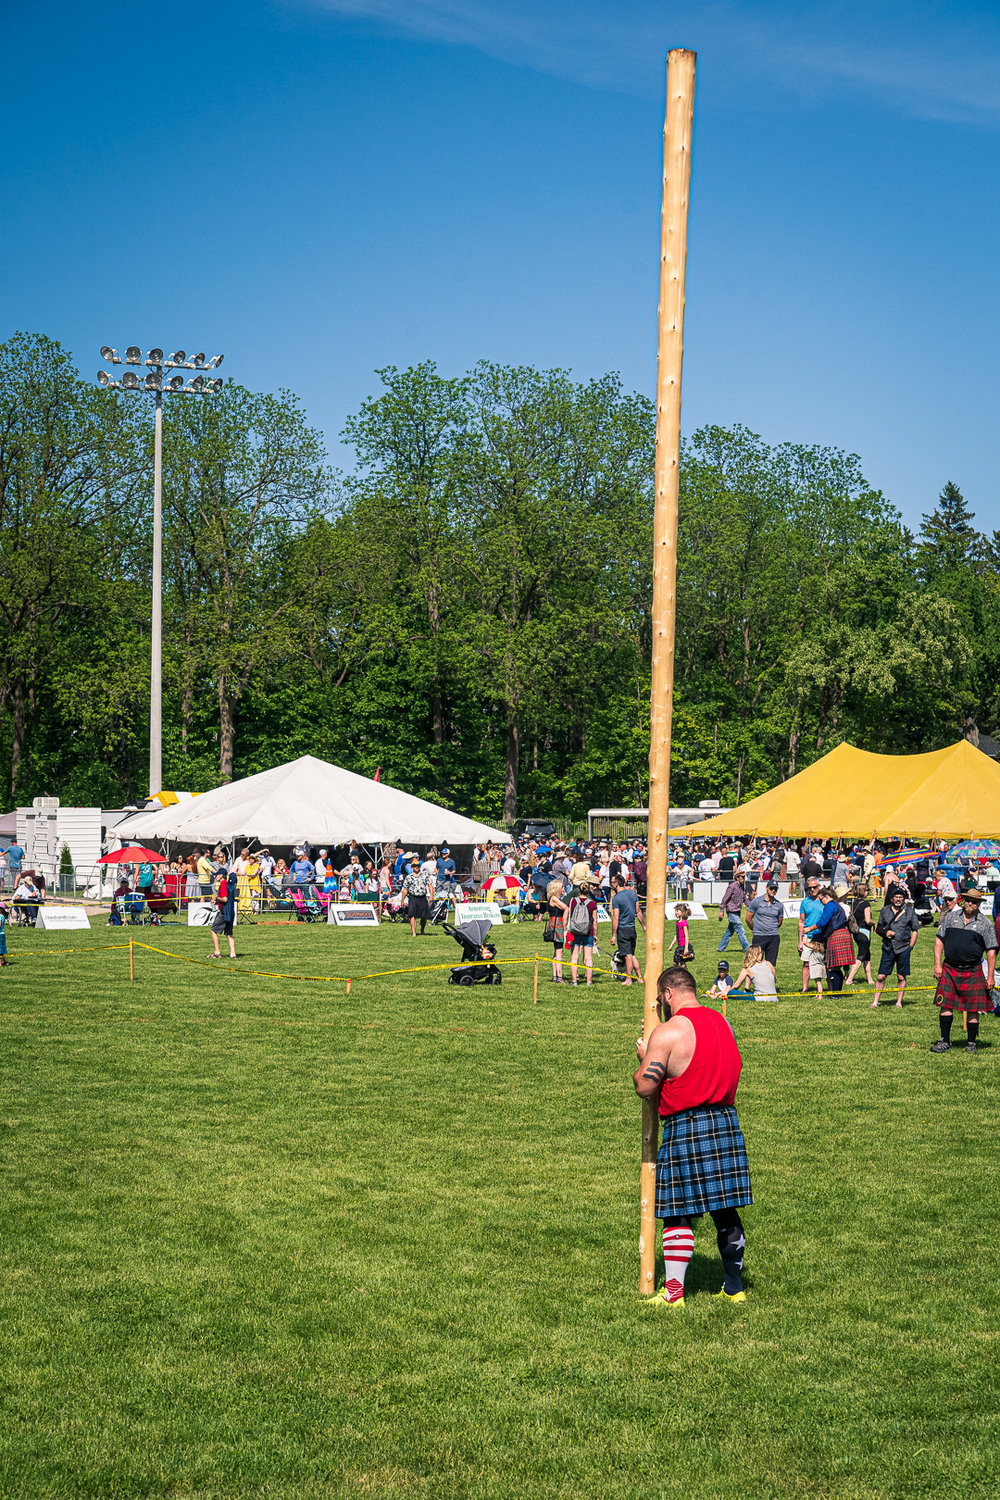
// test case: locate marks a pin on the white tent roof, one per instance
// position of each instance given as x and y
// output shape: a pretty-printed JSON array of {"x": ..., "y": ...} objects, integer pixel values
[{"x": 309, "y": 799}]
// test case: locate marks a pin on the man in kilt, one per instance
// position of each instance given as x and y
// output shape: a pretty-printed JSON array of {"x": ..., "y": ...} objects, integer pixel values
[
  {"x": 965, "y": 936},
  {"x": 691, "y": 1064}
]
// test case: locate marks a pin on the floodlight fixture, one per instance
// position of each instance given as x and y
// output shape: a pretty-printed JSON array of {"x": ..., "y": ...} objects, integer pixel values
[{"x": 173, "y": 385}]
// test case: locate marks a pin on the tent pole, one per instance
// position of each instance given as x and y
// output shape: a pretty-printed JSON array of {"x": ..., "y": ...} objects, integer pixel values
[{"x": 677, "y": 129}]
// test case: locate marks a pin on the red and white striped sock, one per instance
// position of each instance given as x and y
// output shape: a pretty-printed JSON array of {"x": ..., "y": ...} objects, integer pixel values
[{"x": 678, "y": 1248}]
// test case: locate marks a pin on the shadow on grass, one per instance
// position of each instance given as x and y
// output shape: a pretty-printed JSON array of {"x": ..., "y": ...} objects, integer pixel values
[{"x": 704, "y": 1275}]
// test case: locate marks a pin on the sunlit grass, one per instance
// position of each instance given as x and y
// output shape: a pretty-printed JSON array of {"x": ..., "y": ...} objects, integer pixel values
[{"x": 261, "y": 1238}]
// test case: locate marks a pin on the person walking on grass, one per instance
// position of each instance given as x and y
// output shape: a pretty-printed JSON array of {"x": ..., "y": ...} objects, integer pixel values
[
  {"x": 811, "y": 952},
  {"x": 898, "y": 927},
  {"x": 225, "y": 912},
  {"x": 733, "y": 901},
  {"x": 861, "y": 910},
  {"x": 765, "y": 915},
  {"x": 966, "y": 939},
  {"x": 691, "y": 1065},
  {"x": 581, "y": 932},
  {"x": 624, "y": 913},
  {"x": 415, "y": 889},
  {"x": 558, "y": 912}
]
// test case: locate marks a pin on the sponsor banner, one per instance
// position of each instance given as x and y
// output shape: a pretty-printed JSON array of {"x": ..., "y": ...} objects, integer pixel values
[
  {"x": 479, "y": 911},
  {"x": 63, "y": 919},
  {"x": 698, "y": 912},
  {"x": 352, "y": 914}
]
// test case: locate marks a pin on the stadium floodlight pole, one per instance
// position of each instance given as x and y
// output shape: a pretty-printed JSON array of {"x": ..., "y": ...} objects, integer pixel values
[
  {"x": 174, "y": 386},
  {"x": 677, "y": 130}
]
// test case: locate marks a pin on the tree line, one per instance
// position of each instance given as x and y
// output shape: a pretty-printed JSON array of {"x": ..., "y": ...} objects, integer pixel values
[{"x": 469, "y": 608}]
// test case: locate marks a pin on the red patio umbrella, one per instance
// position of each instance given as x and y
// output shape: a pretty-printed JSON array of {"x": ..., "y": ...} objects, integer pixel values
[{"x": 135, "y": 854}]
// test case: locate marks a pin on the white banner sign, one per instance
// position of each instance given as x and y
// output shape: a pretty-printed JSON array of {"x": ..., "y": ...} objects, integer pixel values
[
  {"x": 348, "y": 914},
  {"x": 603, "y": 915},
  {"x": 63, "y": 918},
  {"x": 791, "y": 908},
  {"x": 698, "y": 912},
  {"x": 479, "y": 911},
  {"x": 200, "y": 914}
]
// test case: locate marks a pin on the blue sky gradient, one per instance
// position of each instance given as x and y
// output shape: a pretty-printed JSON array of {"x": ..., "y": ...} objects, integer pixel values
[{"x": 321, "y": 187}]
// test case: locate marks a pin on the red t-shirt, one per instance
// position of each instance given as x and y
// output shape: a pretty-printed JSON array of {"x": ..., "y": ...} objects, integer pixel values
[{"x": 713, "y": 1073}]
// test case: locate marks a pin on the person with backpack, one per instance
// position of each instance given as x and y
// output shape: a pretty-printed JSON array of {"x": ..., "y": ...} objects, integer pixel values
[
  {"x": 225, "y": 912},
  {"x": 581, "y": 931},
  {"x": 861, "y": 931}
]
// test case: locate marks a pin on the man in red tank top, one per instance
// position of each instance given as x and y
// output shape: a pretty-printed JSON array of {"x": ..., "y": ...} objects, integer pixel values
[{"x": 691, "y": 1064}]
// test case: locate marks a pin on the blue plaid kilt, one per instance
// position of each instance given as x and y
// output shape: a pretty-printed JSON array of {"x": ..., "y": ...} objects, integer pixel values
[{"x": 702, "y": 1162}]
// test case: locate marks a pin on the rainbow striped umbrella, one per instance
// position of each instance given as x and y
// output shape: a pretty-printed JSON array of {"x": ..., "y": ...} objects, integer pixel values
[
  {"x": 906, "y": 857},
  {"x": 976, "y": 849}
]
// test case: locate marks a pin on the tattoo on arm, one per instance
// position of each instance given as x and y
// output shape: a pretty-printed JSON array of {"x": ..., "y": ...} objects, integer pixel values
[{"x": 655, "y": 1071}]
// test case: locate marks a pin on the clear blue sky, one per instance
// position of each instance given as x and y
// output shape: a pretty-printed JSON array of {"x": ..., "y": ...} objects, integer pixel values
[{"x": 320, "y": 187}]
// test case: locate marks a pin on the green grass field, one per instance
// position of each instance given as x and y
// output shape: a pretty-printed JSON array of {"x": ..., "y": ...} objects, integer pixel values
[{"x": 263, "y": 1239}]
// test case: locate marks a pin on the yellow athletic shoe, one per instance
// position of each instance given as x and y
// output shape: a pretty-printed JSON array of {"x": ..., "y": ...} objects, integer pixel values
[
  {"x": 660, "y": 1299},
  {"x": 732, "y": 1296}
]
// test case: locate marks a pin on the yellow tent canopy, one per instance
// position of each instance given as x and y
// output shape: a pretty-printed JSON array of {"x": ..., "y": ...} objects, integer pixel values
[
  {"x": 850, "y": 793},
  {"x": 171, "y": 799}
]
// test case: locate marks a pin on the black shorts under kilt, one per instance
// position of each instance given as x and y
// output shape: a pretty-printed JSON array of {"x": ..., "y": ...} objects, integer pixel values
[
  {"x": 963, "y": 989},
  {"x": 702, "y": 1163}
]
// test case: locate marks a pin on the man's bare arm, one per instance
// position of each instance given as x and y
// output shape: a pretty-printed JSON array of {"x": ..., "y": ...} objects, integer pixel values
[{"x": 654, "y": 1057}]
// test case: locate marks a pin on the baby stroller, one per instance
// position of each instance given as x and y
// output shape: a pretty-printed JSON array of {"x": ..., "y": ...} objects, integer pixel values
[
  {"x": 440, "y": 905},
  {"x": 477, "y": 953}
]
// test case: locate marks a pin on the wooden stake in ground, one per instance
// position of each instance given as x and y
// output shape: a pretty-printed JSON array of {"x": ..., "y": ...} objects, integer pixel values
[
  {"x": 535, "y": 1001},
  {"x": 131, "y": 963},
  {"x": 670, "y": 353}
]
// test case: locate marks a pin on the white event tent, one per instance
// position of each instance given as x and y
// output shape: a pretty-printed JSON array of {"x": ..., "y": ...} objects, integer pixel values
[{"x": 308, "y": 799}]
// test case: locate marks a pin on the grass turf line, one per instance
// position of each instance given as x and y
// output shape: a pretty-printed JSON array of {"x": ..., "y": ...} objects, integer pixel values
[{"x": 262, "y": 1238}]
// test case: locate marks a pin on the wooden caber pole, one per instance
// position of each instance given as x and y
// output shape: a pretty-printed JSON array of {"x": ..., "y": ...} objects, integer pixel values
[{"x": 670, "y": 353}]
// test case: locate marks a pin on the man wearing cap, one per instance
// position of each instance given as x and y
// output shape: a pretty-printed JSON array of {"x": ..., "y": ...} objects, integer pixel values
[
  {"x": 765, "y": 915},
  {"x": 965, "y": 937},
  {"x": 897, "y": 926}
]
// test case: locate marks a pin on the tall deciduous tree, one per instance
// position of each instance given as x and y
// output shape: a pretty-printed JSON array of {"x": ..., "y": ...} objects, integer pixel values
[
  {"x": 70, "y": 462},
  {"x": 241, "y": 473}
]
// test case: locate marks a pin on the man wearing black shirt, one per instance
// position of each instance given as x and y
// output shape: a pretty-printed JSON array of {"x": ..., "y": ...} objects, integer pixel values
[
  {"x": 727, "y": 867},
  {"x": 811, "y": 869},
  {"x": 964, "y": 939}
]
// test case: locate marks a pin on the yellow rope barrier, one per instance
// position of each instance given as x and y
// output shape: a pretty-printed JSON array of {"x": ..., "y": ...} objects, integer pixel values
[
  {"x": 208, "y": 963},
  {"x": 44, "y": 952}
]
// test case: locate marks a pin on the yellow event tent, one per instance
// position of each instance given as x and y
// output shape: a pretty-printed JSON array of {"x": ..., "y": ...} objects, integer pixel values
[{"x": 946, "y": 794}]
